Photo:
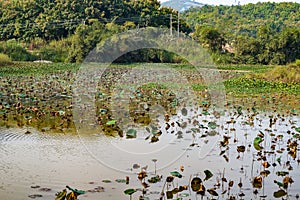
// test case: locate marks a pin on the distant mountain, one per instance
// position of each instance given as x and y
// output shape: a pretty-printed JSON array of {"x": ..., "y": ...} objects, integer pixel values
[{"x": 182, "y": 5}]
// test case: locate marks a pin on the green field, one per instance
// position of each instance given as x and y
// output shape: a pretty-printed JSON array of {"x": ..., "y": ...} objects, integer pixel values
[{"x": 238, "y": 79}]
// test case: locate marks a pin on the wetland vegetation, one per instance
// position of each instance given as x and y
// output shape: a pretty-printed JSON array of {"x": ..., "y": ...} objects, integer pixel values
[
  {"x": 167, "y": 138},
  {"x": 256, "y": 132}
]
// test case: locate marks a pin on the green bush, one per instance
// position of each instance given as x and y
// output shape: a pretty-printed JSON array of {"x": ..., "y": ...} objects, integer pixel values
[
  {"x": 4, "y": 59},
  {"x": 55, "y": 51},
  {"x": 297, "y": 63},
  {"x": 50, "y": 53},
  {"x": 15, "y": 51}
]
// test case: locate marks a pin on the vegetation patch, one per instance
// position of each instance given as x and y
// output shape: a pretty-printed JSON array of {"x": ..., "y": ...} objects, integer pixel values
[
  {"x": 286, "y": 74},
  {"x": 4, "y": 59}
]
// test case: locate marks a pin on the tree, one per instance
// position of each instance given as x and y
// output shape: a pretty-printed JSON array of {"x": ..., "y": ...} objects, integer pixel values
[{"x": 210, "y": 36}]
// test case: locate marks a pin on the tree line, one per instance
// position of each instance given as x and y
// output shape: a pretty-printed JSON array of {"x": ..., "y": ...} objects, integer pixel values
[
  {"x": 262, "y": 33},
  {"x": 66, "y": 30}
]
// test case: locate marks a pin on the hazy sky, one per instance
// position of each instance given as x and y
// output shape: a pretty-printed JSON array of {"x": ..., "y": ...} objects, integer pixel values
[{"x": 230, "y": 2}]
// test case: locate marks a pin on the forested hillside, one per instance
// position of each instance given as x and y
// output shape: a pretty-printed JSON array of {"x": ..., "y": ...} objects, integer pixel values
[
  {"x": 265, "y": 33},
  {"x": 246, "y": 18},
  {"x": 66, "y": 30},
  {"x": 53, "y": 19}
]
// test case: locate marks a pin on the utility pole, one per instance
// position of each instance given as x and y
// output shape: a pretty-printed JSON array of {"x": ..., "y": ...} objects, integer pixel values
[
  {"x": 171, "y": 25},
  {"x": 178, "y": 26}
]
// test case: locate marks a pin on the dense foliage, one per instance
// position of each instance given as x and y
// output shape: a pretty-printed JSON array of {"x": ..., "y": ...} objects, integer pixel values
[
  {"x": 50, "y": 19},
  {"x": 265, "y": 33},
  {"x": 76, "y": 26},
  {"x": 67, "y": 30},
  {"x": 237, "y": 19}
]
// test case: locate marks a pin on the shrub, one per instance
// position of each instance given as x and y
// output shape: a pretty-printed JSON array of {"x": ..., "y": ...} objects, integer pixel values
[
  {"x": 55, "y": 50},
  {"x": 297, "y": 63},
  {"x": 15, "y": 51},
  {"x": 4, "y": 59},
  {"x": 287, "y": 74}
]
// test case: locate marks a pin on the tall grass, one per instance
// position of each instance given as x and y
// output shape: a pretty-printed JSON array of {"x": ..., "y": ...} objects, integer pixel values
[
  {"x": 287, "y": 74},
  {"x": 4, "y": 59}
]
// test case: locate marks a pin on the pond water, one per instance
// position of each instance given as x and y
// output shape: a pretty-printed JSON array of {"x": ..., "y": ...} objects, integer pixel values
[
  {"x": 147, "y": 139},
  {"x": 55, "y": 160}
]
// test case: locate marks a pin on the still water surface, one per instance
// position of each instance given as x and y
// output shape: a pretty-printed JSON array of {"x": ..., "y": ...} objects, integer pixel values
[{"x": 54, "y": 160}]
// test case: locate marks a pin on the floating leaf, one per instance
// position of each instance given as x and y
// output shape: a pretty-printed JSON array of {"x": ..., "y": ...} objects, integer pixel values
[
  {"x": 176, "y": 174},
  {"x": 195, "y": 184},
  {"x": 257, "y": 182},
  {"x": 297, "y": 129},
  {"x": 136, "y": 166},
  {"x": 33, "y": 196},
  {"x": 212, "y": 125},
  {"x": 145, "y": 185},
  {"x": 212, "y": 133},
  {"x": 279, "y": 161},
  {"x": 170, "y": 179},
  {"x": 120, "y": 180},
  {"x": 182, "y": 188},
  {"x": 287, "y": 180},
  {"x": 279, "y": 194},
  {"x": 142, "y": 175},
  {"x": 61, "y": 195},
  {"x": 131, "y": 133},
  {"x": 182, "y": 168},
  {"x": 184, "y": 195},
  {"x": 202, "y": 126},
  {"x": 225, "y": 141},
  {"x": 175, "y": 190},
  {"x": 239, "y": 110},
  {"x": 184, "y": 111},
  {"x": 61, "y": 112},
  {"x": 27, "y": 117},
  {"x": 195, "y": 130},
  {"x": 154, "y": 179},
  {"x": 202, "y": 189},
  {"x": 72, "y": 196},
  {"x": 212, "y": 192},
  {"x": 279, "y": 183},
  {"x": 282, "y": 173},
  {"x": 154, "y": 139},
  {"x": 102, "y": 111},
  {"x": 241, "y": 149},
  {"x": 111, "y": 122},
  {"x": 77, "y": 192},
  {"x": 169, "y": 194},
  {"x": 205, "y": 113},
  {"x": 148, "y": 129},
  {"x": 22, "y": 95},
  {"x": 208, "y": 175},
  {"x": 129, "y": 191},
  {"x": 256, "y": 143},
  {"x": 297, "y": 136},
  {"x": 265, "y": 173},
  {"x": 45, "y": 189},
  {"x": 257, "y": 140},
  {"x": 97, "y": 189},
  {"x": 226, "y": 158},
  {"x": 106, "y": 181}
]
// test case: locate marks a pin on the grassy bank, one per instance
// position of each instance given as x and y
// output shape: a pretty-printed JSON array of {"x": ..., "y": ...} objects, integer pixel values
[{"x": 34, "y": 69}]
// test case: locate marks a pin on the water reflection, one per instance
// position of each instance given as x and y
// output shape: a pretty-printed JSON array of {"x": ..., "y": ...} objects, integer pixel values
[
  {"x": 39, "y": 145},
  {"x": 53, "y": 161}
]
